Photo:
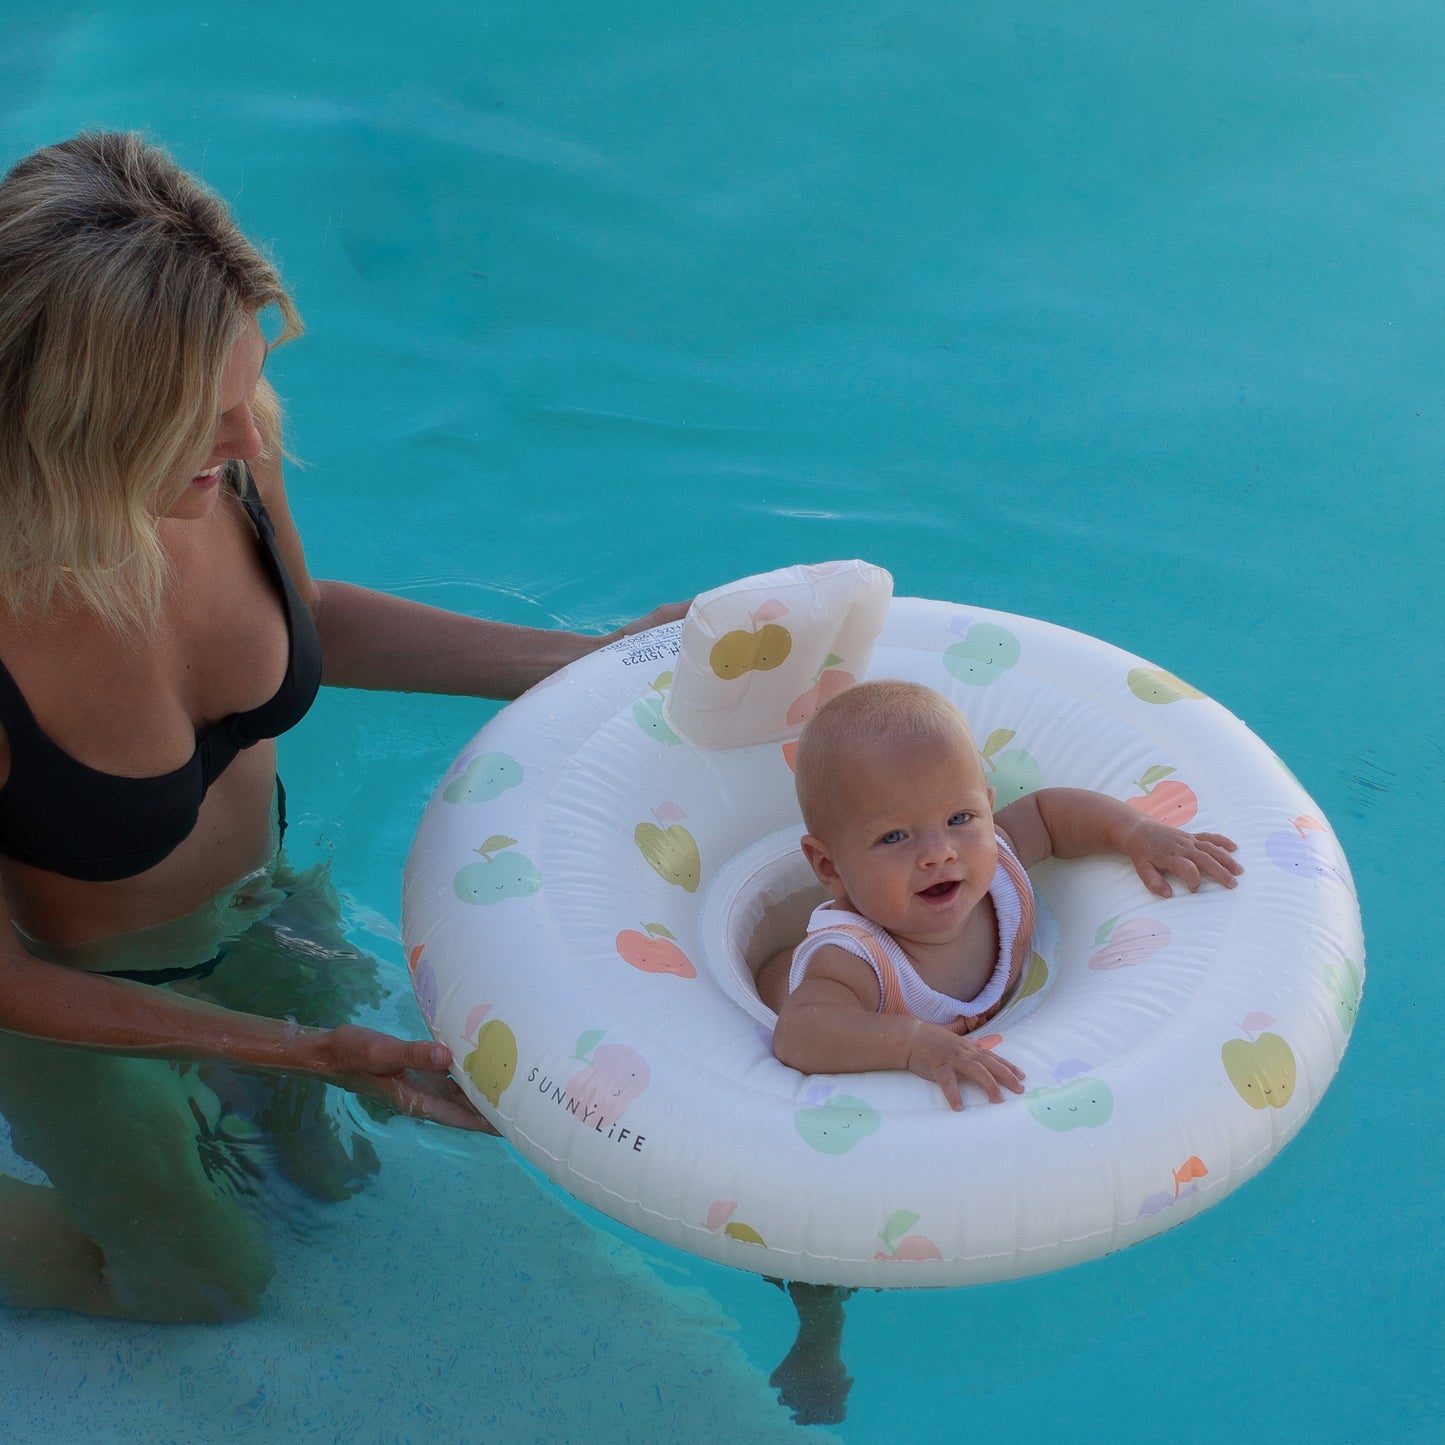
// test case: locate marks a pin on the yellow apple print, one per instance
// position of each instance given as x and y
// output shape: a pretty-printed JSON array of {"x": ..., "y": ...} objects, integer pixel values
[
  {"x": 763, "y": 648},
  {"x": 1262, "y": 1069},
  {"x": 670, "y": 850},
  {"x": 492, "y": 1065}
]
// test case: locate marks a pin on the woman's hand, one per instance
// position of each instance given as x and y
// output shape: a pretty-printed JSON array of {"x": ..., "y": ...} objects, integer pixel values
[
  {"x": 668, "y": 612},
  {"x": 408, "y": 1074}
]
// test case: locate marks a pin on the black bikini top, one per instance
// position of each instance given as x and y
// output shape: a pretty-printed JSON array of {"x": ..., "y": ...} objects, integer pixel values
[{"x": 64, "y": 817}]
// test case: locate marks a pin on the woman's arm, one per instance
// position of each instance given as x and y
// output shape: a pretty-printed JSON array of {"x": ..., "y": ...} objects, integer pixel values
[
  {"x": 88, "y": 1010},
  {"x": 379, "y": 641}
]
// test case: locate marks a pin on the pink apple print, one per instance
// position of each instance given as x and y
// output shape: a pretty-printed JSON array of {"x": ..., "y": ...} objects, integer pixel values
[
  {"x": 1170, "y": 802},
  {"x": 604, "y": 1089},
  {"x": 828, "y": 682},
  {"x": 1129, "y": 943},
  {"x": 901, "y": 1246},
  {"x": 654, "y": 950}
]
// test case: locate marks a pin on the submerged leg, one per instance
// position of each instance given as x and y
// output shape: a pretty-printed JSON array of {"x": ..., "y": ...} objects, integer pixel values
[
  {"x": 143, "y": 1217},
  {"x": 812, "y": 1380},
  {"x": 297, "y": 963}
]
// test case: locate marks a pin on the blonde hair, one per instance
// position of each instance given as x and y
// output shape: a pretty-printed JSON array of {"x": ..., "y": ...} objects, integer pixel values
[
  {"x": 124, "y": 284},
  {"x": 861, "y": 720}
]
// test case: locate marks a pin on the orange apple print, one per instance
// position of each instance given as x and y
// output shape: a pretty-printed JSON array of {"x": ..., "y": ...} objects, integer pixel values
[
  {"x": 654, "y": 950},
  {"x": 1173, "y": 802},
  {"x": 828, "y": 681},
  {"x": 901, "y": 1246}
]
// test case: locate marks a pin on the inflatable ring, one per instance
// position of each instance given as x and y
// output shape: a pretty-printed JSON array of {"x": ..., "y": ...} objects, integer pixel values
[{"x": 589, "y": 890}]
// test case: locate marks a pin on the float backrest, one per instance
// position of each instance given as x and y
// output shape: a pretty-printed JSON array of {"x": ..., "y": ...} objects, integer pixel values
[{"x": 761, "y": 655}]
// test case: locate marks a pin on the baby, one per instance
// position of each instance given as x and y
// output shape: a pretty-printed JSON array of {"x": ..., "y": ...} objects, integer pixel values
[{"x": 931, "y": 916}]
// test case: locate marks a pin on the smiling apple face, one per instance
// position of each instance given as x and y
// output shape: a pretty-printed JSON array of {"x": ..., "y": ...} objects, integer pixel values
[
  {"x": 735, "y": 653},
  {"x": 986, "y": 652},
  {"x": 1080, "y": 1104},
  {"x": 836, "y": 1125},
  {"x": 1262, "y": 1072},
  {"x": 487, "y": 776}
]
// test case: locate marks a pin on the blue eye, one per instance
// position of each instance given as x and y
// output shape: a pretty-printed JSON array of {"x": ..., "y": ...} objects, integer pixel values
[
  {"x": 894, "y": 835},
  {"x": 958, "y": 819}
]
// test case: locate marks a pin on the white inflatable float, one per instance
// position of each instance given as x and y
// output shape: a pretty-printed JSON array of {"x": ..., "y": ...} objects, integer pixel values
[{"x": 611, "y": 855}]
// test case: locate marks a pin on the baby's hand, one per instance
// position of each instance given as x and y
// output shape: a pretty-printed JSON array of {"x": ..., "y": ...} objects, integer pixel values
[
  {"x": 1156, "y": 850},
  {"x": 938, "y": 1053}
]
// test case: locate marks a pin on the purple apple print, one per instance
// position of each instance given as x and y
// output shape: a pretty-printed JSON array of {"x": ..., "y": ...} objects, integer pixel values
[
  {"x": 1184, "y": 1185},
  {"x": 604, "y": 1089},
  {"x": 1304, "y": 848}
]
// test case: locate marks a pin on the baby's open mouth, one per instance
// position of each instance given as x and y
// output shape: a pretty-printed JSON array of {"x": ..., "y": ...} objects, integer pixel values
[{"x": 940, "y": 892}]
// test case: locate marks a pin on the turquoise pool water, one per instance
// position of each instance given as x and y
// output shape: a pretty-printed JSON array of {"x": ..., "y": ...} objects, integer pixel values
[{"x": 1118, "y": 317}]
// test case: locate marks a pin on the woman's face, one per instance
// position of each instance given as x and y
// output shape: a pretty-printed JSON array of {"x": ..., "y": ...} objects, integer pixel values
[{"x": 235, "y": 434}]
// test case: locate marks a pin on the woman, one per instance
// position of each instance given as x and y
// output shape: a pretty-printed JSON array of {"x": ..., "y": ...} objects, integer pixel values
[{"x": 158, "y": 628}]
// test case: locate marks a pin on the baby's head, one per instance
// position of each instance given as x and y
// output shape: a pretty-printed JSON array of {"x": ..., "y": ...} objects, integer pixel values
[{"x": 892, "y": 787}]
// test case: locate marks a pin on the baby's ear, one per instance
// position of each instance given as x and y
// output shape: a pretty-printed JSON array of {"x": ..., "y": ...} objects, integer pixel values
[
  {"x": 991, "y": 797},
  {"x": 821, "y": 862}
]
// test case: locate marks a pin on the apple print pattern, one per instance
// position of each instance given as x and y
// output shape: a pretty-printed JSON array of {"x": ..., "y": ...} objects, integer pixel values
[
  {"x": 499, "y": 876},
  {"x": 654, "y": 950},
  {"x": 484, "y": 777},
  {"x": 835, "y": 1123},
  {"x": 1011, "y": 772},
  {"x": 670, "y": 850},
  {"x": 1163, "y": 798},
  {"x": 648, "y": 714},
  {"x": 901, "y": 1246},
  {"x": 492, "y": 1064},
  {"x": 1075, "y": 1101},
  {"x": 1304, "y": 849},
  {"x": 1126, "y": 944},
  {"x": 983, "y": 654},
  {"x": 612, "y": 1080},
  {"x": 1154, "y": 685},
  {"x": 737, "y": 653},
  {"x": 1261, "y": 1066}
]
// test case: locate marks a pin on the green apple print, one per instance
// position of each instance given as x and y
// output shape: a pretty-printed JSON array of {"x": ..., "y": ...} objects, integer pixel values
[
  {"x": 1153, "y": 684},
  {"x": 837, "y": 1124},
  {"x": 648, "y": 715},
  {"x": 985, "y": 652},
  {"x": 1011, "y": 771},
  {"x": 486, "y": 776},
  {"x": 1080, "y": 1103},
  {"x": 497, "y": 878},
  {"x": 1343, "y": 981}
]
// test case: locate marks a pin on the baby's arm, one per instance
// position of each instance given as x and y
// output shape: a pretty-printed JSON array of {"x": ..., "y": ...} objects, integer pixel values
[
  {"x": 829, "y": 1024},
  {"x": 1074, "y": 823}
]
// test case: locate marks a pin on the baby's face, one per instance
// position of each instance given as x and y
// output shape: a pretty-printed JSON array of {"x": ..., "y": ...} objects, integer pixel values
[{"x": 910, "y": 841}]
